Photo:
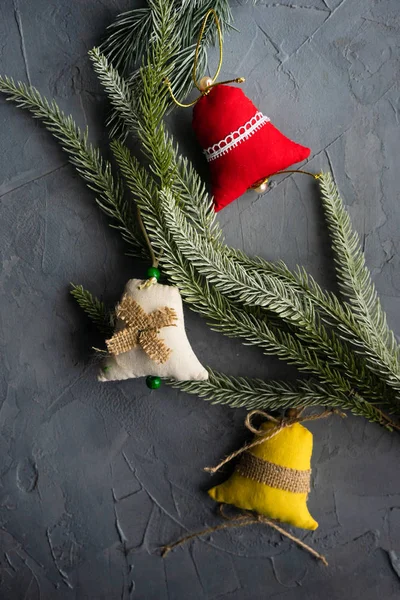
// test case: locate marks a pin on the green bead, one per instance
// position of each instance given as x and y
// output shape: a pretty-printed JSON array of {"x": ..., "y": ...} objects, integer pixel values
[
  {"x": 153, "y": 382},
  {"x": 153, "y": 272}
]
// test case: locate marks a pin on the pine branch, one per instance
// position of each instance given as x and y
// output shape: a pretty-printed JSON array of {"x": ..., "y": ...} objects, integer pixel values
[
  {"x": 233, "y": 282},
  {"x": 163, "y": 154},
  {"x": 193, "y": 201},
  {"x": 129, "y": 35},
  {"x": 333, "y": 313},
  {"x": 244, "y": 392},
  {"x": 94, "y": 308},
  {"x": 83, "y": 155},
  {"x": 128, "y": 38},
  {"x": 118, "y": 90},
  {"x": 238, "y": 392},
  {"x": 234, "y": 322},
  {"x": 356, "y": 284},
  {"x": 185, "y": 182}
]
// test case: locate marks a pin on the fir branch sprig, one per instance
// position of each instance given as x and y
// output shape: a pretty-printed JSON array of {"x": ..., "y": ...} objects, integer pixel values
[
  {"x": 185, "y": 181},
  {"x": 235, "y": 283},
  {"x": 130, "y": 33},
  {"x": 94, "y": 169},
  {"x": 94, "y": 308},
  {"x": 245, "y": 392},
  {"x": 128, "y": 37},
  {"x": 240, "y": 392},
  {"x": 355, "y": 281},
  {"x": 119, "y": 91},
  {"x": 334, "y": 313},
  {"x": 194, "y": 201}
]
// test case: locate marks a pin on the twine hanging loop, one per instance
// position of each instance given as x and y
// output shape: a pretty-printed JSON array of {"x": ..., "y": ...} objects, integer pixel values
[{"x": 266, "y": 434}]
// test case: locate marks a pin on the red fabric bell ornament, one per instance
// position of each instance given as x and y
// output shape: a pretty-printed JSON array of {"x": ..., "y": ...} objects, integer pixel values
[{"x": 240, "y": 143}]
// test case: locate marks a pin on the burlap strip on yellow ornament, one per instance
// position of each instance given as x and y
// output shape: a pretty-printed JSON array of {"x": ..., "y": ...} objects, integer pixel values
[
  {"x": 276, "y": 476},
  {"x": 142, "y": 329}
]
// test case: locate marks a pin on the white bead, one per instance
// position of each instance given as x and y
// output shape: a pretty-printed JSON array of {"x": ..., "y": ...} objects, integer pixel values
[
  {"x": 261, "y": 188},
  {"x": 205, "y": 82}
]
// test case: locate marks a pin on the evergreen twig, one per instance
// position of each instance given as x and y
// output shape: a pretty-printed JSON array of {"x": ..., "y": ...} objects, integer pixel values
[
  {"x": 130, "y": 34},
  {"x": 278, "y": 395},
  {"x": 94, "y": 169},
  {"x": 94, "y": 308},
  {"x": 355, "y": 281}
]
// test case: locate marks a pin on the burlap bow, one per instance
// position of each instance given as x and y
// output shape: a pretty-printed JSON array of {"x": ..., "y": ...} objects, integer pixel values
[{"x": 142, "y": 330}]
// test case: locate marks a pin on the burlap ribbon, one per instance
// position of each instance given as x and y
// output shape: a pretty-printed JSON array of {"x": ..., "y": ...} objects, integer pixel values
[
  {"x": 282, "y": 478},
  {"x": 142, "y": 330}
]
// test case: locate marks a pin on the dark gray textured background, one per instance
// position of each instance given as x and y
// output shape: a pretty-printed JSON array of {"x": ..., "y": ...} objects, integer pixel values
[{"x": 95, "y": 477}]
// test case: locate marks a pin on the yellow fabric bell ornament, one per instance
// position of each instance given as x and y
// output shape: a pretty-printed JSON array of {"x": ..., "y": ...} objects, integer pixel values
[{"x": 273, "y": 478}]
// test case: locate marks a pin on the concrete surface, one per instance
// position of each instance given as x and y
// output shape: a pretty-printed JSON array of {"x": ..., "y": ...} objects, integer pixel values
[{"x": 94, "y": 477}]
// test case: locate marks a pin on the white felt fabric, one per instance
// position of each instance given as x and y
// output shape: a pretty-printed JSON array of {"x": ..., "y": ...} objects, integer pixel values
[{"x": 182, "y": 364}]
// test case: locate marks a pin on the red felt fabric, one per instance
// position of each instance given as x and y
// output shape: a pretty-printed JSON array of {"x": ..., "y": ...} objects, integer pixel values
[{"x": 267, "y": 151}]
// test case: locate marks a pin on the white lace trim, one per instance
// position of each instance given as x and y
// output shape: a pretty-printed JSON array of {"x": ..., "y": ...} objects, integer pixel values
[{"x": 236, "y": 137}]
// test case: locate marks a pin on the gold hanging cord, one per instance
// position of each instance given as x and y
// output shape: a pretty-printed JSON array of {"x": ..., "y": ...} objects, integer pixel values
[
  {"x": 266, "y": 179},
  {"x": 207, "y": 90}
]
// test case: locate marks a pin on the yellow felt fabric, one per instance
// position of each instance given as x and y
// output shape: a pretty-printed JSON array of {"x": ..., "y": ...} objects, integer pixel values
[{"x": 292, "y": 448}]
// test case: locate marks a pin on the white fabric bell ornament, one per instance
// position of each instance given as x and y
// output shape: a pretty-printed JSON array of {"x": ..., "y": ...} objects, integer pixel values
[{"x": 150, "y": 337}]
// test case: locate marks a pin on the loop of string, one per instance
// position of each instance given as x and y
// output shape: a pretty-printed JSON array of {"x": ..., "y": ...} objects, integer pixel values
[
  {"x": 213, "y": 83},
  {"x": 154, "y": 259},
  {"x": 209, "y": 13},
  {"x": 263, "y": 435}
]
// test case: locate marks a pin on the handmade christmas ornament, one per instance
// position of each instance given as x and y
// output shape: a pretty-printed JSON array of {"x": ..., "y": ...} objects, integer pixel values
[
  {"x": 272, "y": 476},
  {"x": 271, "y": 481},
  {"x": 241, "y": 145},
  {"x": 150, "y": 337}
]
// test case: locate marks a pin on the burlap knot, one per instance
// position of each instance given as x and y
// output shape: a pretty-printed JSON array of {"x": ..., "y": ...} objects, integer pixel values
[{"x": 142, "y": 330}]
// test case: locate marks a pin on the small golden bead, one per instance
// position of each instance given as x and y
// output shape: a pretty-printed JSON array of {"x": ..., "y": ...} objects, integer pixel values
[
  {"x": 205, "y": 83},
  {"x": 262, "y": 187}
]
